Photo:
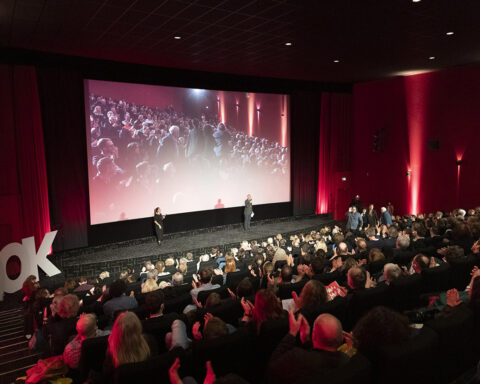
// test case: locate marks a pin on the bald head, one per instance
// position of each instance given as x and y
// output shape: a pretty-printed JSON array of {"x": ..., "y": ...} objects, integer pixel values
[
  {"x": 327, "y": 333},
  {"x": 342, "y": 248}
]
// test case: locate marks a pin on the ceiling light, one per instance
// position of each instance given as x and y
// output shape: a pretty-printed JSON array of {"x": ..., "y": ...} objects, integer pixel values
[
  {"x": 431, "y": 58},
  {"x": 450, "y": 33},
  {"x": 177, "y": 37},
  {"x": 288, "y": 44},
  {"x": 336, "y": 61},
  {"x": 416, "y": 1}
]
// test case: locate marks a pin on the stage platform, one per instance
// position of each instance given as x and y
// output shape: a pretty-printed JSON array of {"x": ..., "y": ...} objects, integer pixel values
[{"x": 115, "y": 257}]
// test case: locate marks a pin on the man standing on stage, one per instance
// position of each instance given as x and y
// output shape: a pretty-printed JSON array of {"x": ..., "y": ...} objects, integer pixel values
[{"x": 247, "y": 212}]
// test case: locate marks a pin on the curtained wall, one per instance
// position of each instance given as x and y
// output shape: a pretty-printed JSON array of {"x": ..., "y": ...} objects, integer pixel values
[
  {"x": 305, "y": 112},
  {"x": 439, "y": 106},
  {"x": 23, "y": 186},
  {"x": 60, "y": 90},
  {"x": 61, "y": 93},
  {"x": 335, "y": 144}
]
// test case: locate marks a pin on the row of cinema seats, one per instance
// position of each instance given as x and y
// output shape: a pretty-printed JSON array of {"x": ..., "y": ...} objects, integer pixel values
[{"x": 442, "y": 350}]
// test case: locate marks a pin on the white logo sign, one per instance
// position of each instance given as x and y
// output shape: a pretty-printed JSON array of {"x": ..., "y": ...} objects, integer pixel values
[{"x": 30, "y": 261}]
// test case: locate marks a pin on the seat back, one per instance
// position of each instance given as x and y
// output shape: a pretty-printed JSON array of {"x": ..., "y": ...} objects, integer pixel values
[
  {"x": 455, "y": 332},
  {"x": 234, "y": 278},
  {"x": 178, "y": 304},
  {"x": 230, "y": 311},
  {"x": 152, "y": 370},
  {"x": 285, "y": 290},
  {"x": 336, "y": 307},
  {"x": 460, "y": 272},
  {"x": 203, "y": 295},
  {"x": 361, "y": 301},
  {"x": 436, "y": 279},
  {"x": 228, "y": 354},
  {"x": 405, "y": 292},
  {"x": 413, "y": 362},
  {"x": 92, "y": 355}
]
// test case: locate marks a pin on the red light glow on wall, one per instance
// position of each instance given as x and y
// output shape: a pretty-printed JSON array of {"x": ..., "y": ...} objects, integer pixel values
[
  {"x": 283, "y": 111},
  {"x": 221, "y": 106},
  {"x": 251, "y": 113},
  {"x": 416, "y": 90}
]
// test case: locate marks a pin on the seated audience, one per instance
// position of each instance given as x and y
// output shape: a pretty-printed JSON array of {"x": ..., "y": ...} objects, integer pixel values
[
  {"x": 290, "y": 363},
  {"x": 119, "y": 301},
  {"x": 86, "y": 329},
  {"x": 126, "y": 344}
]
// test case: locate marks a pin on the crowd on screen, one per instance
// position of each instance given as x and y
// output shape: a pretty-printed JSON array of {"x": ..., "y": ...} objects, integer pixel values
[
  {"x": 136, "y": 146},
  {"x": 286, "y": 309}
]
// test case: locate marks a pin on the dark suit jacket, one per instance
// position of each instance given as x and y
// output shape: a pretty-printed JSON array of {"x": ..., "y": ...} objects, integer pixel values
[
  {"x": 292, "y": 364},
  {"x": 248, "y": 207}
]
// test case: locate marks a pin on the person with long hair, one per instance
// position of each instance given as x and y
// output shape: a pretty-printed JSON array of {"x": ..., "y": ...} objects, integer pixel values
[
  {"x": 126, "y": 343},
  {"x": 158, "y": 223},
  {"x": 267, "y": 307},
  {"x": 313, "y": 294}
]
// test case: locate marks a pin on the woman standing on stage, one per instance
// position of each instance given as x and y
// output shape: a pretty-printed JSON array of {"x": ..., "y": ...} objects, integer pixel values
[{"x": 158, "y": 222}]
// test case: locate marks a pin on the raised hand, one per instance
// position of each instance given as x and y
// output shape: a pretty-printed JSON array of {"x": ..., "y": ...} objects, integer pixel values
[
  {"x": 208, "y": 316},
  {"x": 271, "y": 280},
  {"x": 296, "y": 299},
  {"x": 197, "y": 335},
  {"x": 247, "y": 306},
  {"x": 210, "y": 377},
  {"x": 233, "y": 295},
  {"x": 173, "y": 372},
  {"x": 294, "y": 324},
  {"x": 304, "y": 329},
  {"x": 453, "y": 299},
  {"x": 197, "y": 303}
]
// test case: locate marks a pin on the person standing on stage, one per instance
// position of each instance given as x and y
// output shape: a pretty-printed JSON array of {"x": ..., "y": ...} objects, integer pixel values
[
  {"x": 158, "y": 222},
  {"x": 247, "y": 212},
  {"x": 354, "y": 220}
]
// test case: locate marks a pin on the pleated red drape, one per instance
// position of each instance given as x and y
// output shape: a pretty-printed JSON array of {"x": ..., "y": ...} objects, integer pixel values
[
  {"x": 23, "y": 185},
  {"x": 334, "y": 153}
]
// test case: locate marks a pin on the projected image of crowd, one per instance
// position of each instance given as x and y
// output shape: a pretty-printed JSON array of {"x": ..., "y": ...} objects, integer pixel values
[{"x": 140, "y": 150}]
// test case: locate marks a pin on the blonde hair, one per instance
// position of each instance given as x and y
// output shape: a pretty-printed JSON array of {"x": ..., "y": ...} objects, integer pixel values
[
  {"x": 169, "y": 262},
  {"x": 68, "y": 307},
  {"x": 160, "y": 266},
  {"x": 321, "y": 245},
  {"x": 126, "y": 343},
  {"x": 87, "y": 325},
  {"x": 230, "y": 265},
  {"x": 149, "y": 285}
]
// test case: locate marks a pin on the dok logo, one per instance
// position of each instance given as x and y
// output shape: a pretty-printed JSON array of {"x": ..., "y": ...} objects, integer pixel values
[{"x": 30, "y": 261}]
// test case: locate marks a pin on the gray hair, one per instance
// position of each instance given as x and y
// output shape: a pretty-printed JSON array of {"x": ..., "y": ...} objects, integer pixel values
[
  {"x": 173, "y": 128},
  {"x": 391, "y": 272},
  {"x": 177, "y": 279},
  {"x": 403, "y": 241}
]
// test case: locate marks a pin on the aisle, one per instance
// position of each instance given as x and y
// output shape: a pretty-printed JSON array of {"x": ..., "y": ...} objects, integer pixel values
[{"x": 15, "y": 357}]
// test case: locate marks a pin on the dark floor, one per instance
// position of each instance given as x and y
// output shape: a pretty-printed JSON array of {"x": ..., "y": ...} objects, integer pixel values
[{"x": 115, "y": 257}]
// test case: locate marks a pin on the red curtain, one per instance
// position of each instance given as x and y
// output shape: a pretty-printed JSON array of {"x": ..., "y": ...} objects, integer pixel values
[
  {"x": 334, "y": 154},
  {"x": 23, "y": 186}
]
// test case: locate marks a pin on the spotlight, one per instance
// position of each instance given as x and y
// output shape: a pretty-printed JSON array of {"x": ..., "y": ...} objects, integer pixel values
[
  {"x": 431, "y": 58},
  {"x": 177, "y": 37},
  {"x": 344, "y": 179},
  {"x": 409, "y": 173},
  {"x": 288, "y": 44},
  {"x": 197, "y": 91},
  {"x": 459, "y": 162},
  {"x": 449, "y": 33},
  {"x": 336, "y": 61}
]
